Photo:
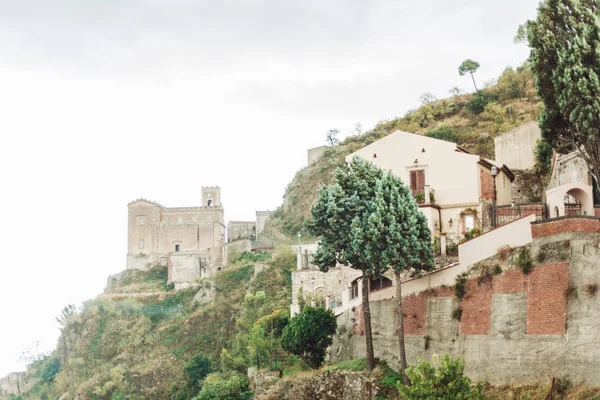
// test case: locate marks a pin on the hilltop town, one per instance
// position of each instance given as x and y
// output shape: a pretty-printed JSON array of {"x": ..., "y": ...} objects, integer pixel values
[{"x": 523, "y": 258}]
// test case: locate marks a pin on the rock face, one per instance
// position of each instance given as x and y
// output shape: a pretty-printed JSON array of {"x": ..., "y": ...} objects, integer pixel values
[
  {"x": 15, "y": 383},
  {"x": 330, "y": 385}
]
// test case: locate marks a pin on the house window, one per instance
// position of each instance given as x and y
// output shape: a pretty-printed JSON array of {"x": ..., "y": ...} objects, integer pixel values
[
  {"x": 140, "y": 220},
  {"x": 141, "y": 244},
  {"x": 176, "y": 247},
  {"x": 417, "y": 180},
  {"x": 354, "y": 290}
]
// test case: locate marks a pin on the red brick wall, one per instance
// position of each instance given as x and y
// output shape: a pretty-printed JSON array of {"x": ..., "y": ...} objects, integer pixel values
[
  {"x": 414, "y": 308},
  {"x": 487, "y": 185},
  {"x": 477, "y": 309},
  {"x": 597, "y": 211},
  {"x": 562, "y": 225},
  {"x": 546, "y": 300}
]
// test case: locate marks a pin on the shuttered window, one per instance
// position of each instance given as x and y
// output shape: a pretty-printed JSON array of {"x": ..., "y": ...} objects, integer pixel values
[{"x": 417, "y": 180}]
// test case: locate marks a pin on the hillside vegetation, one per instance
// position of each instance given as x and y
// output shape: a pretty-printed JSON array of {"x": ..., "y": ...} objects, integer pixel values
[
  {"x": 470, "y": 120},
  {"x": 160, "y": 346}
]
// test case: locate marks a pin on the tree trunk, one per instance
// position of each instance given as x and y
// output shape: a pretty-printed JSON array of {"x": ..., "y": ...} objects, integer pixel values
[
  {"x": 400, "y": 329},
  {"x": 474, "y": 84},
  {"x": 367, "y": 319}
]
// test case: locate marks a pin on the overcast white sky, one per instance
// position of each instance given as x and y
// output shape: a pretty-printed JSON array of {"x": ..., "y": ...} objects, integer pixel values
[{"x": 103, "y": 102}]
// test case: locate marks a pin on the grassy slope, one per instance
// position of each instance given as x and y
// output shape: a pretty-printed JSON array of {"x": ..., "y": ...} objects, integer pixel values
[
  {"x": 139, "y": 347},
  {"x": 516, "y": 103}
]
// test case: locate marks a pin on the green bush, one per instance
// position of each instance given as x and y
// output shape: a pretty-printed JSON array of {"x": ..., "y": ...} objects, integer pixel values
[
  {"x": 51, "y": 368},
  {"x": 480, "y": 100},
  {"x": 225, "y": 387},
  {"x": 309, "y": 334},
  {"x": 442, "y": 381},
  {"x": 196, "y": 370},
  {"x": 543, "y": 155},
  {"x": 524, "y": 261},
  {"x": 443, "y": 133}
]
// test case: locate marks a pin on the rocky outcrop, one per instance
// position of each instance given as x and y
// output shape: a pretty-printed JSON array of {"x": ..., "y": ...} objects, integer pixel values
[{"x": 329, "y": 385}]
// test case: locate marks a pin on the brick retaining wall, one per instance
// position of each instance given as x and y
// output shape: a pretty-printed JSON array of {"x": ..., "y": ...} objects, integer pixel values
[{"x": 565, "y": 224}]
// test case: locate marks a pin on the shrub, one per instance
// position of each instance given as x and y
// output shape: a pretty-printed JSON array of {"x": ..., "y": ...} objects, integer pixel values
[
  {"x": 590, "y": 290},
  {"x": 442, "y": 381},
  {"x": 504, "y": 252},
  {"x": 309, "y": 334},
  {"x": 225, "y": 387},
  {"x": 460, "y": 285},
  {"x": 196, "y": 370},
  {"x": 480, "y": 100},
  {"x": 457, "y": 314},
  {"x": 524, "y": 261},
  {"x": 51, "y": 368},
  {"x": 443, "y": 133}
]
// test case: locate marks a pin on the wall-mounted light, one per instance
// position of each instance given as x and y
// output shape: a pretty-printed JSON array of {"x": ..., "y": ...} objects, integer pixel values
[
  {"x": 450, "y": 222},
  {"x": 494, "y": 170},
  {"x": 416, "y": 161},
  {"x": 423, "y": 150},
  {"x": 374, "y": 155}
]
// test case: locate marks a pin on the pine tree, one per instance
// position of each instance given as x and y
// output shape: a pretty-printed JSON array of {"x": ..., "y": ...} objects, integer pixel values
[
  {"x": 338, "y": 215},
  {"x": 396, "y": 234},
  {"x": 565, "y": 58}
]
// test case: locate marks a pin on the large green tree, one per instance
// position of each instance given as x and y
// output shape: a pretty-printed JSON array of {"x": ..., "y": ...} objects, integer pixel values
[
  {"x": 340, "y": 210},
  {"x": 565, "y": 58},
  {"x": 309, "y": 334},
  {"x": 395, "y": 234},
  {"x": 469, "y": 67}
]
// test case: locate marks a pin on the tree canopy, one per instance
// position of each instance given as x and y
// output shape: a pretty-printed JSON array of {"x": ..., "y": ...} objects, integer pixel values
[
  {"x": 309, "y": 334},
  {"x": 564, "y": 41},
  {"x": 469, "y": 66}
]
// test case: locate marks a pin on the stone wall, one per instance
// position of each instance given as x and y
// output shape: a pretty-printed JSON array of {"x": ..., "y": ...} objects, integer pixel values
[
  {"x": 329, "y": 385},
  {"x": 514, "y": 327},
  {"x": 239, "y": 230}
]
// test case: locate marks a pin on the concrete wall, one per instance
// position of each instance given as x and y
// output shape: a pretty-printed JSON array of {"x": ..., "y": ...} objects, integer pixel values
[
  {"x": 514, "y": 234},
  {"x": 314, "y": 154},
  {"x": 514, "y": 328},
  {"x": 261, "y": 220},
  {"x": 516, "y": 148}
]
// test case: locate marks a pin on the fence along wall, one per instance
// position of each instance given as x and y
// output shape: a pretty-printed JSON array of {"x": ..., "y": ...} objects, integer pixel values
[{"x": 514, "y": 327}]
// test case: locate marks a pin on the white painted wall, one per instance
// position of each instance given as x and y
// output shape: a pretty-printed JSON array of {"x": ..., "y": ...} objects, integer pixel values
[{"x": 514, "y": 234}]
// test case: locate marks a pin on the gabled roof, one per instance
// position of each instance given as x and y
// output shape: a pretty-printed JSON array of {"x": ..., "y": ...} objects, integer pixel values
[{"x": 488, "y": 164}]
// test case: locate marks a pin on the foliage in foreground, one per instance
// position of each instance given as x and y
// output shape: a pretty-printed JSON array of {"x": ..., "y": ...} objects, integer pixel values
[
  {"x": 309, "y": 334},
  {"x": 443, "y": 380},
  {"x": 225, "y": 387}
]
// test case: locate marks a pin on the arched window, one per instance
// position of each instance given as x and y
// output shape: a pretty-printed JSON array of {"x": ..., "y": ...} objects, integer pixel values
[
  {"x": 209, "y": 203},
  {"x": 556, "y": 213}
]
